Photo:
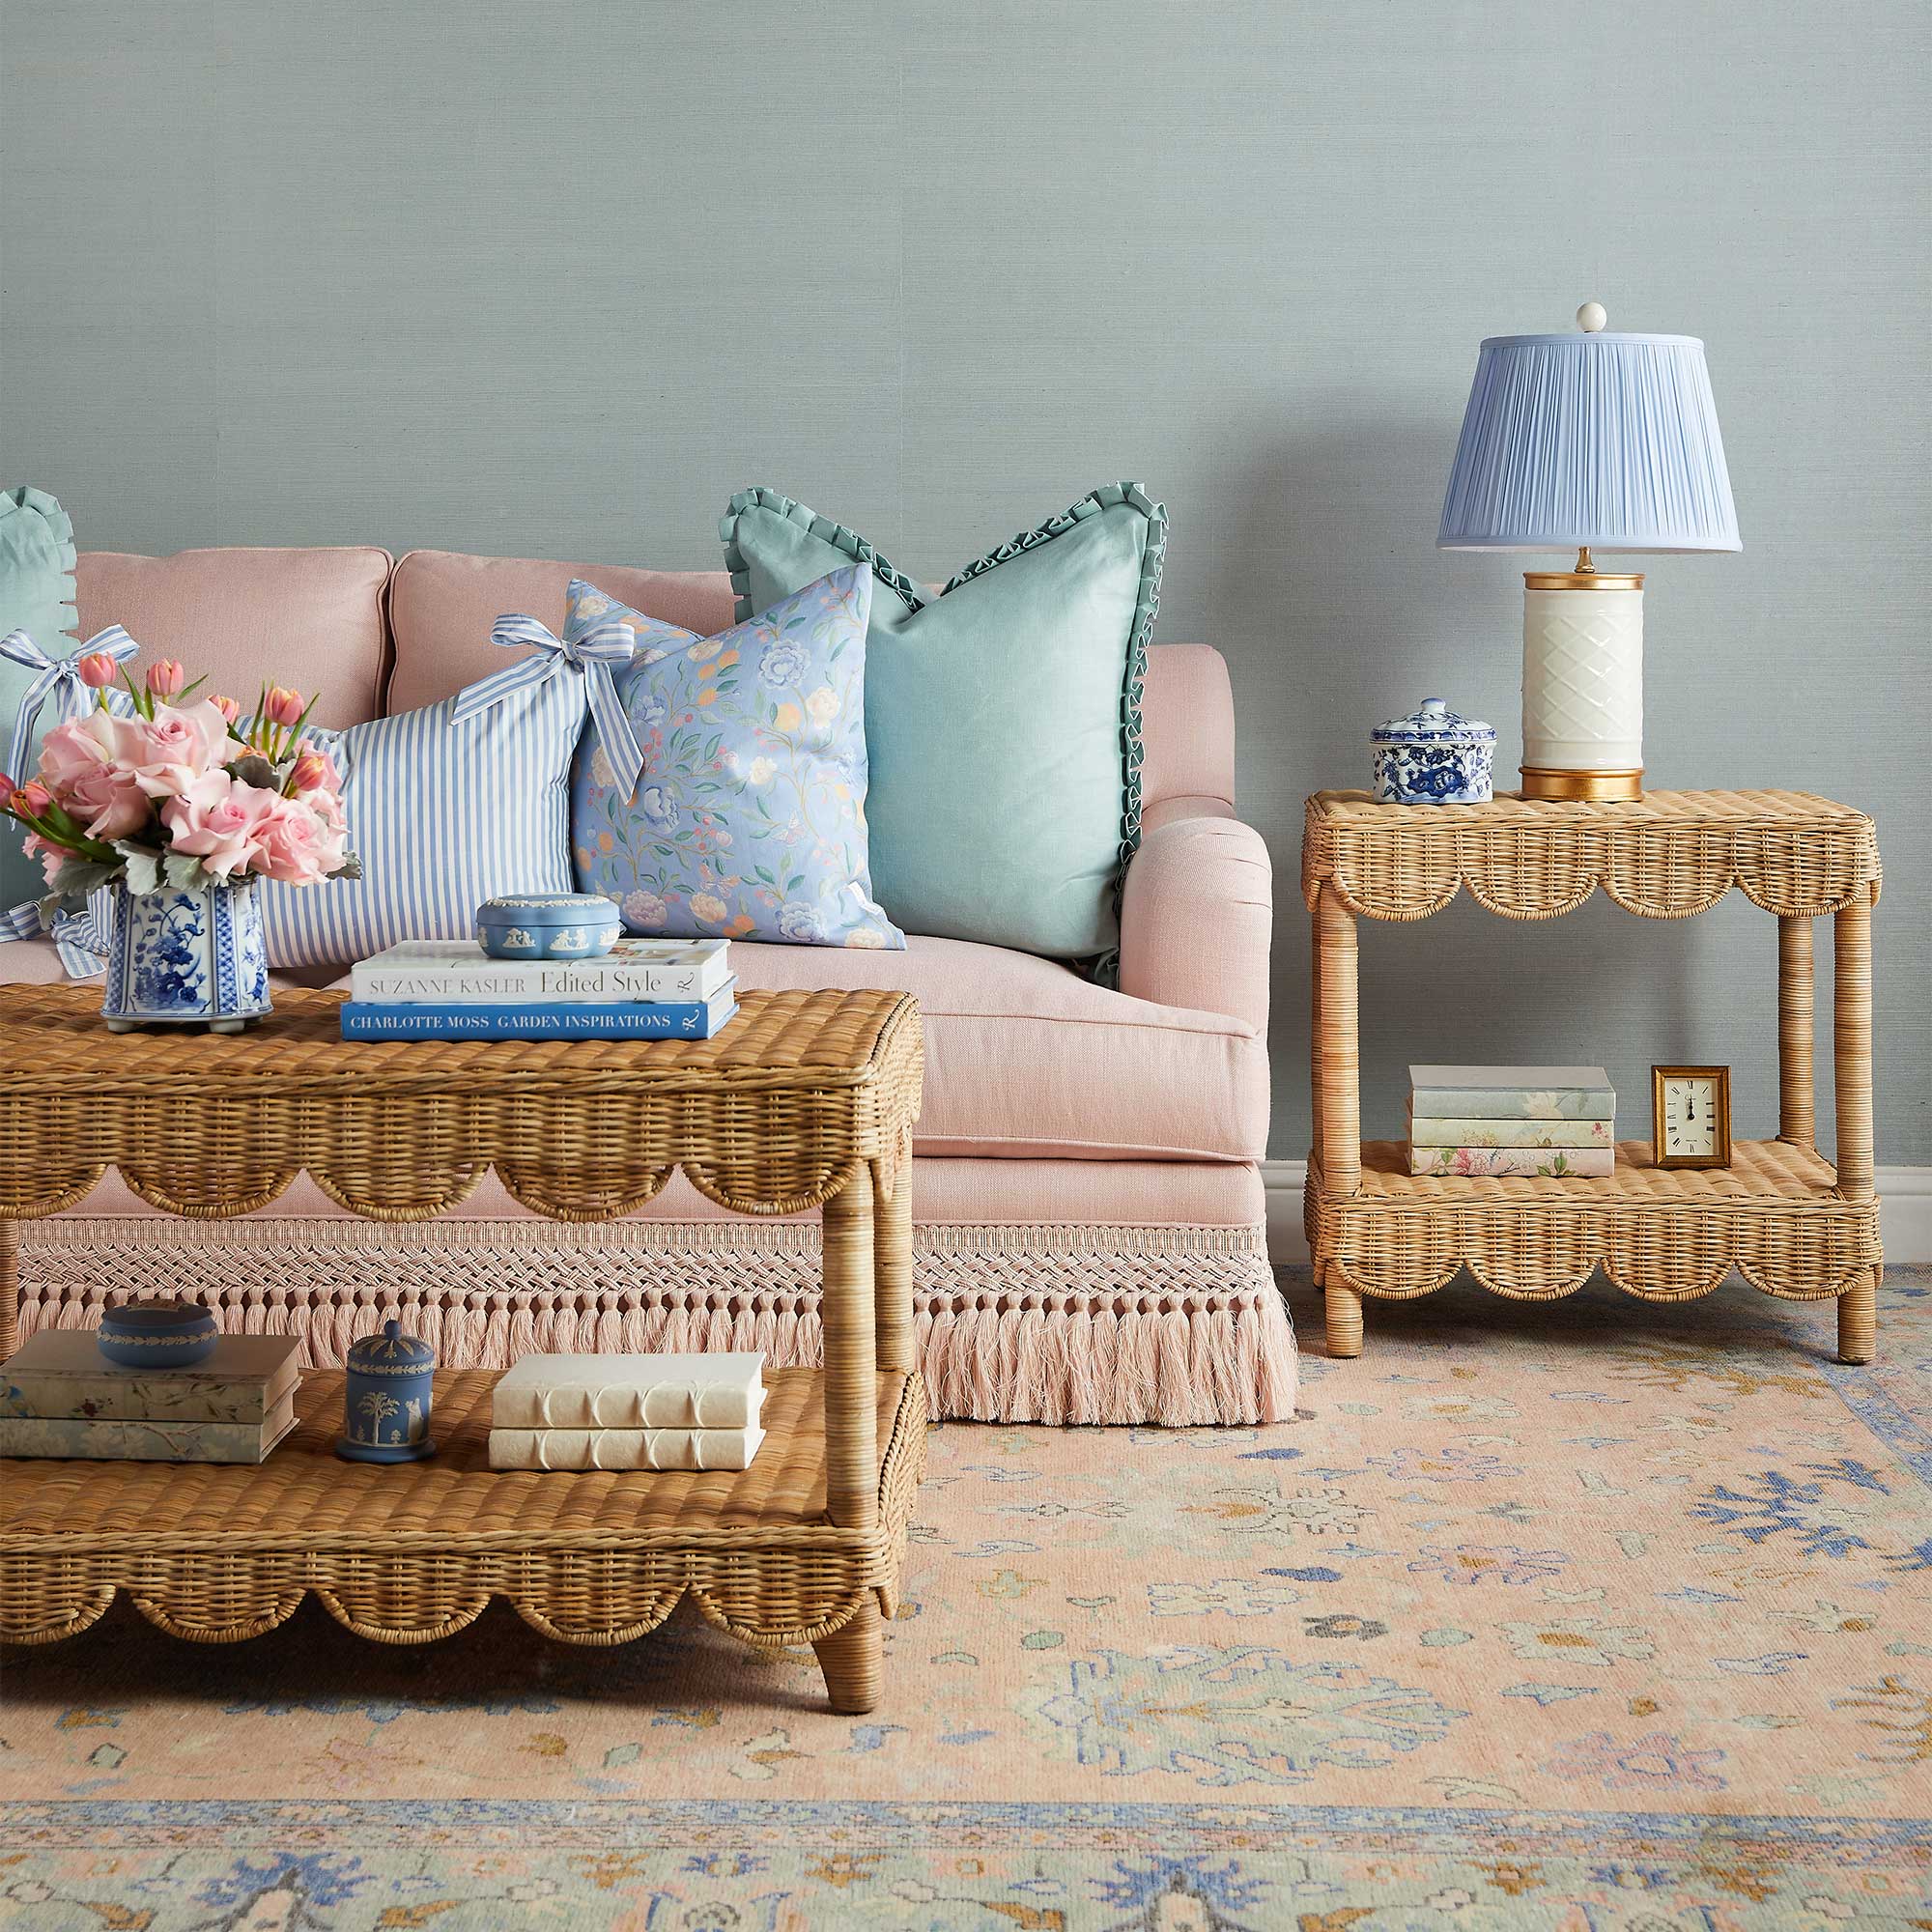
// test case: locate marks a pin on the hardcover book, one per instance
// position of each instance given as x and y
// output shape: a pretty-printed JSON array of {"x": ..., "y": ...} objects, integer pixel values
[
  {"x": 127, "y": 1441},
  {"x": 1511, "y": 1093},
  {"x": 624, "y": 1448},
  {"x": 716, "y": 1391},
  {"x": 636, "y": 1020},
  {"x": 1478, "y": 1132},
  {"x": 61, "y": 1373},
  {"x": 457, "y": 972},
  {"x": 1477, "y": 1162}
]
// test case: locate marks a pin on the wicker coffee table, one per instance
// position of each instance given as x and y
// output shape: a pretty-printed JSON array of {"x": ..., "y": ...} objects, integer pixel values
[
  {"x": 806, "y": 1098},
  {"x": 1793, "y": 1223}
]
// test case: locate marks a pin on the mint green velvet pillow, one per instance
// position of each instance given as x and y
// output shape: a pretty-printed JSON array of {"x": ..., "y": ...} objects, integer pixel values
[
  {"x": 36, "y": 596},
  {"x": 1002, "y": 715}
]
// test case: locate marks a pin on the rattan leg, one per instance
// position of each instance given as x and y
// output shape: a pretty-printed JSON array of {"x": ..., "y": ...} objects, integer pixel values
[
  {"x": 851, "y": 1381},
  {"x": 852, "y": 1660},
  {"x": 10, "y": 1287},
  {"x": 1336, "y": 1054},
  {"x": 891, "y": 1260},
  {"x": 1858, "y": 1319},
  {"x": 1342, "y": 1307},
  {"x": 1796, "y": 1115},
  {"x": 1314, "y": 1079},
  {"x": 1851, "y": 1031}
]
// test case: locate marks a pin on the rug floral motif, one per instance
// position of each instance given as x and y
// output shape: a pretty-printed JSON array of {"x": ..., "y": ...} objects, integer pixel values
[{"x": 1596, "y": 1617}]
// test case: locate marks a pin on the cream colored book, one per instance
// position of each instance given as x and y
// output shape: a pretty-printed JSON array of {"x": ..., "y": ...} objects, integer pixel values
[
  {"x": 624, "y": 1448},
  {"x": 718, "y": 1391}
]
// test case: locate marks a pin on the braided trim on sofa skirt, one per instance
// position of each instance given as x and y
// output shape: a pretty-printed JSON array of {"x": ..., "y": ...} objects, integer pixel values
[{"x": 1177, "y": 1326}]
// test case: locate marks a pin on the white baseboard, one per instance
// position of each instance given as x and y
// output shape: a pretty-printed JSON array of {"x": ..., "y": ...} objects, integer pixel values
[{"x": 1906, "y": 1222}]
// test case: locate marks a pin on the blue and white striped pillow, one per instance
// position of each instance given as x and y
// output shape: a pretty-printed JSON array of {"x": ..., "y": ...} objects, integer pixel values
[{"x": 444, "y": 815}]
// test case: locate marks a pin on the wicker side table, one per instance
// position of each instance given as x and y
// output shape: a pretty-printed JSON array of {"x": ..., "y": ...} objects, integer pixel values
[
  {"x": 807, "y": 1099},
  {"x": 1791, "y": 1222}
]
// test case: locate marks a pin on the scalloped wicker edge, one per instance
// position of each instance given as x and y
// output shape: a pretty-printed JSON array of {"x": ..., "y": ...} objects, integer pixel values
[{"x": 1103, "y": 967}]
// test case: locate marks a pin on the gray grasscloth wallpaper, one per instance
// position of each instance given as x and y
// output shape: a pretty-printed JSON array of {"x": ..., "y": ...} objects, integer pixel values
[{"x": 556, "y": 278}]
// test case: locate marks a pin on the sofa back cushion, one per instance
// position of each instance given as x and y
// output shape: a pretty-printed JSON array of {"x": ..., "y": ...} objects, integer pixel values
[
  {"x": 442, "y": 603},
  {"x": 311, "y": 618}
]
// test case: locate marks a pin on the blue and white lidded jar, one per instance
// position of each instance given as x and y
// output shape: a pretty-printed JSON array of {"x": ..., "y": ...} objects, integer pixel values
[
  {"x": 549, "y": 925},
  {"x": 386, "y": 1399},
  {"x": 1434, "y": 757}
]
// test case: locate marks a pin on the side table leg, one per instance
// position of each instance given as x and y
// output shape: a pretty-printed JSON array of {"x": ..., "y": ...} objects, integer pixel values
[
  {"x": 1341, "y": 1309},
  {"x": 1796, "y": 1115},
  {"x": 891, "y": 1260},
  {"x": 852, "y": 1660},
  {"x": 10, "y": 1287},
  {"x": 1858, "y": 1319}
]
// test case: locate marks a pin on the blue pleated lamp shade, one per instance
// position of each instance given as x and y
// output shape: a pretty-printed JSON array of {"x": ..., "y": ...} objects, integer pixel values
[{"x": 1605, "y": 440}]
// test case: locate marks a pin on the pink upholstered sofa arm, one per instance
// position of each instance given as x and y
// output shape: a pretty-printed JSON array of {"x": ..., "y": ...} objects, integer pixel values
[{"x": 1198, "y": 912}]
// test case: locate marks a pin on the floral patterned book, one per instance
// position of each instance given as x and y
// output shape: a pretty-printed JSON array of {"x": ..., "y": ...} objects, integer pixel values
[
  {"x": 131, "y": 1442},
  {"x": 1478, "y": 1162},
  {"x": 1481, "y": 1133},
  {"x": 1511, "y": 1094}
]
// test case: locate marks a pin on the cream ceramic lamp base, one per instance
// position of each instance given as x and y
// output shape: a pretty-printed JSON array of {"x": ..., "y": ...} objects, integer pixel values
[{"x": 1582, "y": 685}]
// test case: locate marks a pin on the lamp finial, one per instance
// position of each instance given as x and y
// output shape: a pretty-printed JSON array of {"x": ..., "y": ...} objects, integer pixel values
[{"x": 1592, "y": 317}]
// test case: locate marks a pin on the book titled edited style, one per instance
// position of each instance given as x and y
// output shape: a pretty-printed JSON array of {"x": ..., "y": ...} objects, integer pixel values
[
  {"x": 665, "y": 1019},
  {"x": 459, "y": 973},
  {"x": 131, "y": 1439},
  {"x": 1478, "y": 1132},
  {"x": 624, "y": 1448},
  {"x": 1581, "y": 1163},
  {"x": 1511, "y": 1093},
  {"x": 721, "y": 1391},
  {"x": 60, "y": 1375}
]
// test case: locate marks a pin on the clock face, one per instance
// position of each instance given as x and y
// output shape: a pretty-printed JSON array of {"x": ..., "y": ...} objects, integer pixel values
[{"x": 1689, "y": 1115}]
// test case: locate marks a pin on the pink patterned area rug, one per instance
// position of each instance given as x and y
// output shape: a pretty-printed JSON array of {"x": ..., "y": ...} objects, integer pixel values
[{"x": 1596, "y": 1617}]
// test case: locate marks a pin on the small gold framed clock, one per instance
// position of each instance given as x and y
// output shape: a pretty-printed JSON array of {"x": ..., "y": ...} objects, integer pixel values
[{"x": 1690, "y": 1116}]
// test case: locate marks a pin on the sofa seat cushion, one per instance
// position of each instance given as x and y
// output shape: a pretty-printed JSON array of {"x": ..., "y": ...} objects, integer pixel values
[{"x": 1024, "y": 1057}]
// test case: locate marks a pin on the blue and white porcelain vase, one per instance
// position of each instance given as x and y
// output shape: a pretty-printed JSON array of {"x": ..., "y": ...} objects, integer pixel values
[
  {"x": 385, "y": 1399},
  {"x": 187, "y": 958},
  {"x": 1434, "y": 757}
]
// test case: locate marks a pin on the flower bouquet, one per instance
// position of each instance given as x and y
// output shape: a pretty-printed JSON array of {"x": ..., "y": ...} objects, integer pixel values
[{"x": 176, "y": 808}]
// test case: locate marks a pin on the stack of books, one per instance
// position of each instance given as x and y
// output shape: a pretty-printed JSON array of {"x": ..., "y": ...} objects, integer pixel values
[
  {"x": 60, "y": 1396},
  {"x": 628, "y": 1412},
  {"x": 1477, "y": 1121},
  {"x": 452, "y": 989}
]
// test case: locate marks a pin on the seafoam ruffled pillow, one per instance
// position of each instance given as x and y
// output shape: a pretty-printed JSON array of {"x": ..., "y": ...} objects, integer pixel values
[{"x": 749, "y": 819}]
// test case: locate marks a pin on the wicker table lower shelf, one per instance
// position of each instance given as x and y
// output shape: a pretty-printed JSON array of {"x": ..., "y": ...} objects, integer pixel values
[
  {"x": 408, "y": 1554},
  {"x": 1774, "y": 1215}
]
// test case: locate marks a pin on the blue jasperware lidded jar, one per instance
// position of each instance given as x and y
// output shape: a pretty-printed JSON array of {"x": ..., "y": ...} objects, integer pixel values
[
  {"x": 549, "y": 925},
  {"x": 157, "y": 1334},
  {"x": 1434, "y": 757},
  {"x": 386, "y": 1399}
]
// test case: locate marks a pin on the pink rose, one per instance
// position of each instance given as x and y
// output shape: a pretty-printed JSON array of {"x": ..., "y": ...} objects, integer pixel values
[
  {"x": 80, "y": 764},
  {"x": 51, "y": 857},
  {"x": 298, "y": 846},
  {"x": 221, "y": 822},
  {"x": 168, "y": 752}
]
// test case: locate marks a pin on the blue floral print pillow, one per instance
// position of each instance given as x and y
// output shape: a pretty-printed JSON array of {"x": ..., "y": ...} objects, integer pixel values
[{"x": 748, "y": 821}]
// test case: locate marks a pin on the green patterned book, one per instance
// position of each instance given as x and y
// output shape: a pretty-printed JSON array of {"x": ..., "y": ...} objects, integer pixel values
[
  {"x": 129, "y": 1441},
  {"x": 1511, "y": 1094}
]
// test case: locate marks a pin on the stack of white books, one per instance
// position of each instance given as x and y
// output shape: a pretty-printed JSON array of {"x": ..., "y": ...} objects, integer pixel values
[
  {"x": 628, "y": 1412},
  {"x": 452, "y": 989}
]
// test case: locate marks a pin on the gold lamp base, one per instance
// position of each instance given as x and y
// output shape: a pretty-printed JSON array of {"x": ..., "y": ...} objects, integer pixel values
[{"x": 1585, "y": 787}]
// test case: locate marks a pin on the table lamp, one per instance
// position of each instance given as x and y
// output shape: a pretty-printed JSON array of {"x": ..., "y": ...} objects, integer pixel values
[{"x": 1604, "y": 443}]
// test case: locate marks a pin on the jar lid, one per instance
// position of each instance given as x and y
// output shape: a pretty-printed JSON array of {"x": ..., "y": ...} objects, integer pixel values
[
  {"x": 1435, "y": 723},
  {"x": 390, "y": 1353},
  {"x": 544, "y": 912}
]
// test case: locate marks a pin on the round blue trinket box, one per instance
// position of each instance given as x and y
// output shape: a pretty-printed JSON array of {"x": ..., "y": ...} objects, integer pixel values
[
  {"x": 385, "y": 1403},
  {"x": 157, "y": 1334},
  {"x": 549, "y": 925},
  {"x": 1434, "y": 757}
]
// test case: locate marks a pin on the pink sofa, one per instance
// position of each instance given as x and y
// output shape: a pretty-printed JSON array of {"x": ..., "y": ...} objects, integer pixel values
[{"x": 1088, "y": 1202}]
